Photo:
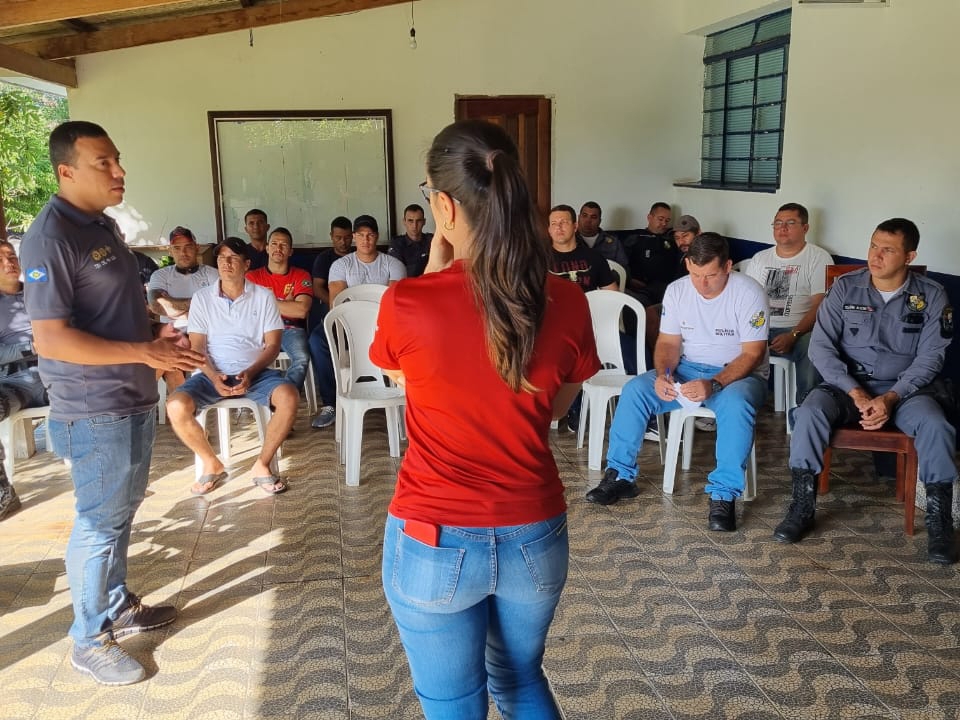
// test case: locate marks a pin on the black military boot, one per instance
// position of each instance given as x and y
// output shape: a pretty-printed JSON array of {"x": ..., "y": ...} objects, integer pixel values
[
  {"x": 9, "y": 502},
  {"x": 799, "y": 519},
  {"x": 939, "y": 521}
]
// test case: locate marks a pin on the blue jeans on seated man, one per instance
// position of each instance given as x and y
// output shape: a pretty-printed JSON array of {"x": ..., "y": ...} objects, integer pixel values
[
  {"x": 109, "y": 464},
  {"x": 323, "y": 367},
  {"x": 294, "y": 343},
  {"x": 807, "y": 376},
  {"x": 473, "y": 614},
  {"x": 736, "y": 409}
]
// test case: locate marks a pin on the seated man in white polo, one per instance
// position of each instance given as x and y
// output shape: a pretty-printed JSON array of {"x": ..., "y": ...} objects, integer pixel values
[{"x": 237, "y": 325}]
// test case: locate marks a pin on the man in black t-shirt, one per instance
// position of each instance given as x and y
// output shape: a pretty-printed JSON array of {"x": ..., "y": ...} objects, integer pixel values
[
  {"x": 575, "y": 261},
  {"x": 413, "y": 247}
]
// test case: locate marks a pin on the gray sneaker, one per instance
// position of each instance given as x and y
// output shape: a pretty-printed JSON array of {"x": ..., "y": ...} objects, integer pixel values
[
  {"x": 108, "y": 664},
  {"x": 139, "y": 618},
  {"x": 9, "y": 502},
  {"x": 324, "y": 418}
]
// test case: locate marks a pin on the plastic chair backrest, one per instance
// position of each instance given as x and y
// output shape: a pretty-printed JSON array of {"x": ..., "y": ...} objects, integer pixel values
[
  {"x": 358, "y": 323},
  {"x": 835, "y": 271},
  {"x": 368, "y": 291},
  {"x": 620, "y": 271},
  {"x": 606, "y": 307}
]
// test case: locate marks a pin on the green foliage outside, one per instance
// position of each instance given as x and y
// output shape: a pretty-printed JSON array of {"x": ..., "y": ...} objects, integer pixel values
[{"x": 26, "y": 179}]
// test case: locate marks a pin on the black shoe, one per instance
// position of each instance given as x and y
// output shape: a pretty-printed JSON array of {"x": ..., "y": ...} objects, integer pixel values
[
  {"x": 799, "y": 519},
  {"x": 611, "y": 489},
  {"x": 9, "y": 502},
  {"x": 941, "y": 547},
  {"x": 139, "y": 618},
  {"x": 722, "y": 517}
]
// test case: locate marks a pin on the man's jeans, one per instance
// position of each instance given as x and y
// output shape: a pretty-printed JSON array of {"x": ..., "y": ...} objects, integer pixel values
[
  {"x": 323, "y": 367},
  {"x": 807, "y": 376},
  {"x": 474, "y": 612},
  {"x": 109, "y": 464},
  {"x": 294, "y": 343},
  {"x": 736, "y": 408}
]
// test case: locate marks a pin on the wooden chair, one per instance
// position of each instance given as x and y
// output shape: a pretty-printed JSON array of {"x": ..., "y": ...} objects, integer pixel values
[{"x": 884, "y": 440}]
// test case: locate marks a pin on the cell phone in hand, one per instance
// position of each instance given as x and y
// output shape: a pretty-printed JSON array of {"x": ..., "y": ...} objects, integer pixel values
[{"x": 232, "y": 380}]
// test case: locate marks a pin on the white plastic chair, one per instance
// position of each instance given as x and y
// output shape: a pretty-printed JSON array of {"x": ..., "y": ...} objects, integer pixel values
[
  {"x": 606, "y": 307},
  {"x": 784, "y": 387},
  {"x": 681, "y": 432},
  {"x": 621, "y": 272},
  {"x": 370, "y": 292},
  {"x": 223, "y": 407},
  {"x": 16, "y": 434},
  {"x": 309, "y": 385},
  {"x": 365, "y": 387}
]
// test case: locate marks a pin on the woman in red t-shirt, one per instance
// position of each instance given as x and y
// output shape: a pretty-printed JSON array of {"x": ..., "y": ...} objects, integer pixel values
[{"x": 490, "y": 348}]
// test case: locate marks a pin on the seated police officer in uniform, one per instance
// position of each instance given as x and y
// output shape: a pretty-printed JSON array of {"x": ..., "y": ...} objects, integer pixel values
[{"x": 879, "y": 342}]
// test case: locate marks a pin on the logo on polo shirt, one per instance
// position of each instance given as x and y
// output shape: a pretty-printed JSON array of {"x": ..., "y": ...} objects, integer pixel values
[
  {"x": 758, "y": 320},
  {"x": 36, "y": 275}
]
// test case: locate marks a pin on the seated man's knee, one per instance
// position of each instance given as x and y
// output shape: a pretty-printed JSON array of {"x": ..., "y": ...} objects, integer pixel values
[
  {"x": 285, "y": 395},
  {"x": 181, "y": 407}
]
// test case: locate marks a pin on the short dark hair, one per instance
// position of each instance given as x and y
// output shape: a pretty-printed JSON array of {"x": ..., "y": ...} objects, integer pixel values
[
  {"x": 255, "y": 211},
  {"x": 660, "y": 206},
  {"x": 707, "y": 247},
  {"x": 64, "y": 137},
  {"x": 341, "y": 222},
  {"x": 566, "y": 209},
  {"x": 235, "y": 244},
  {"x": 283, "y": 231},
  {"x": 905, "y": 229},
  {"x": 593, "y": 206},
  {"x": 798, "y": 209},
  {"x": 414, "y": 207}
]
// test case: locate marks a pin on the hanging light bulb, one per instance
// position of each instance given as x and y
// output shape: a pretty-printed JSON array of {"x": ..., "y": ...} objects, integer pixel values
[{"x": 413, "y": 29}]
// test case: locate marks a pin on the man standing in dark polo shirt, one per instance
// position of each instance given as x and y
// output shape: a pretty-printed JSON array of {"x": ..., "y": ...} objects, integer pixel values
[{"x": 97, "y": 357}]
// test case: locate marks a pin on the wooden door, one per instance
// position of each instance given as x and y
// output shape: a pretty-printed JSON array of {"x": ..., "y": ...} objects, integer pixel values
[{"x": 526, "y": 118}]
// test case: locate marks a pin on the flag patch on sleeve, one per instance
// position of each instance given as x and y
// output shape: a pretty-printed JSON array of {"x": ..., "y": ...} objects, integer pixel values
[{"x": 36, "y": 275}]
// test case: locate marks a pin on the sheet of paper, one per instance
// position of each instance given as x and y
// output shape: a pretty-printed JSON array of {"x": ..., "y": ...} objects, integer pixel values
[{"x": 685, "y": 402}]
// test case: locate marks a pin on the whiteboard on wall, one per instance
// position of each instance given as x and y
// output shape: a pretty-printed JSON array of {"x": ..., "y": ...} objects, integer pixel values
[{"x": 302, "y": 168}]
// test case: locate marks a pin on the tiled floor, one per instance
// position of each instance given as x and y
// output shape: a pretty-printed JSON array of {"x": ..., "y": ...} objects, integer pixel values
[{"x": 282, "y": 614}]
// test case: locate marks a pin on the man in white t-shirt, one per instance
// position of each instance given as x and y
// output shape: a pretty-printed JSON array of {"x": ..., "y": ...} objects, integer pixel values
[
  {"x": 171, "y": 288},
  {"x": 712, "y": 350},
  {"x": 793, "y": 272},
  {"x": 236, "y": 324},
  {"x": 365, "y": 266}
]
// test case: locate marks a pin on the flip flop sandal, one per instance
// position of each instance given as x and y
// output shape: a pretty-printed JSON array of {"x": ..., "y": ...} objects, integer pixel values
[
  {"x": 269, "y": 484},
  {"x": 211, "y": 480}
]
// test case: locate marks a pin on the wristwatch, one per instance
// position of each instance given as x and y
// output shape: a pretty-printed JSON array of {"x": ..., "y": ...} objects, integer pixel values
[
  {"x": 715, "y": 387},
  {"x": 796, "y": 334}
]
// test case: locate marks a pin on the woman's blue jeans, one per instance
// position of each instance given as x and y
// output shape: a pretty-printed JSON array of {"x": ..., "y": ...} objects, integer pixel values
[
  {"x": 473, "y": 614},
  {"x": 109, "y": 464}
]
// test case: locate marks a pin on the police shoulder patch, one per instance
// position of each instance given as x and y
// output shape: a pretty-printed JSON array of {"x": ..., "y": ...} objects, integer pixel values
[
  {"x": 758, "y": 320},
  {"x": 946, "y": 322}
]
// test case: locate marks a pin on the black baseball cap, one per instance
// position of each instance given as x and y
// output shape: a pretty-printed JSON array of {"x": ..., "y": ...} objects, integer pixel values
[{"x": 367, "y": 221}]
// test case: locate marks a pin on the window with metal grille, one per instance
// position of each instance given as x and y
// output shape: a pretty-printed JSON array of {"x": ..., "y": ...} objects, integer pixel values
[{"x": 744, "y": 95}]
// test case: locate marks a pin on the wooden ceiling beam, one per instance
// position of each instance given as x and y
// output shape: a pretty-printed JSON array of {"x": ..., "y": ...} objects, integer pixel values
[
  {"x": 32, "y": 66},
  {"x": 14, "y": 13},
  {"x": 181, "y": 28}
]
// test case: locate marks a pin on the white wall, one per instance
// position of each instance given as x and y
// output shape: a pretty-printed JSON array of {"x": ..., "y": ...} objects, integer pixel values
[
  {"x": 616, "y": 117},
  {"x": 870, "y": 130},
  {"x": 871, "y": 105}
]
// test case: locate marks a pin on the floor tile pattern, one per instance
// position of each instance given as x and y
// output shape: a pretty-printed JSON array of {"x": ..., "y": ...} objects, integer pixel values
[{"x": 282, "y": 613}]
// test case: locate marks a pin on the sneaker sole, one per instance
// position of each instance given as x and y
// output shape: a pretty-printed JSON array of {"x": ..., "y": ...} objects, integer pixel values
[
  {"x": 117, "y": 683},
  {"x": 137, "y": 629}
]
